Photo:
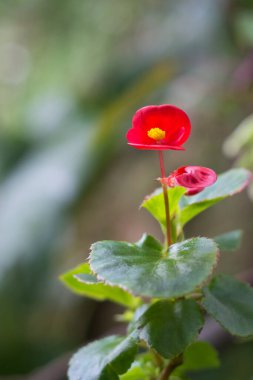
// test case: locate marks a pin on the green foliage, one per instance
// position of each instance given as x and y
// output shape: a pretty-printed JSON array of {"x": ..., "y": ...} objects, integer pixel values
[
  {"x": 239, "y": 145},
  {"x": 149, "y": 242},
  {"x": 244, "y": 27},
  {"x": 229, "y": 183},
  {"x": 230, "y": 241},
  {"x": 230, "y": 302},
  {"x": 169, "y": 327},
  {"x": 183, "y": 208},
  {"x": 104, "y": 359},
  {"x": 80, "y": 280},
  {"x": 136, "y": 316},
  {"x": 146, "y": 270},
  {"x": 154, "y": 203},
  {"x": 163, "y": 328},
  {"x": 198, "y": 356},
  {"x": 135, "y": 373},
  {"x": 241, "y": 138},
  {"x": 142, "y": 368}
]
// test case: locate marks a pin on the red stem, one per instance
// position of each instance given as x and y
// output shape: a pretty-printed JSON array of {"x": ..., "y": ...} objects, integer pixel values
[
  {"x": 166, "y": 200},
  {"x": 174, "y": 363}
]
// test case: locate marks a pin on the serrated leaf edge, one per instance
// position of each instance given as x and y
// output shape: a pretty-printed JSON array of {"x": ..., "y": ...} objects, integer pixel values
[
  {"x": 107, "y": 282},
  {"x": 207, "y": 279},
  {"x": 194, "y": 339},
  {"x": 221, "y": 324}
]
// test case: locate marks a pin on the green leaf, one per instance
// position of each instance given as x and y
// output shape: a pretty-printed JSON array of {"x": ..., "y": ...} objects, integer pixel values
[
  {"x": 241, "y": 138},
  {"x": 154, "y": 203},
  {"x": 184, "y": 208},
  {"x": 142, "y": 368},
  {"x": 148, "y": 241},
  {"x": 103, "y": 359},
  {"x": 145, "y": 270},
  {"x": 228, "y": 183},
  {"x": 230, "y": 241},
  {"x": 230, "y": 302},
  {"x": 198, "y": 356},
  {"x": 169, "y": 327},
  {"x": 81, "y": 281},
  {"x": 135, "y": 373},
  {"x": 136, "y": 316}
]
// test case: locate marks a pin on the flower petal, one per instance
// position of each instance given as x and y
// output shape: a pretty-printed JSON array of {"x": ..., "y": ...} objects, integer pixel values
[
  {"x": 156, "y": 146},
  {"x": 170, "y": 119},
  {"x": 193, "y": 178}
]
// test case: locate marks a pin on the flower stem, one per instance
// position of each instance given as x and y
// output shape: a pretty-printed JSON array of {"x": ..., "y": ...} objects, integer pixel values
[
  {"x": 174, "y": 363},
  {"x": 166, "y": 201}
]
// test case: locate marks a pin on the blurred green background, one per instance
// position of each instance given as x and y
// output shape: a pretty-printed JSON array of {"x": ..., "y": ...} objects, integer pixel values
[{"x": 72, "y": 73}]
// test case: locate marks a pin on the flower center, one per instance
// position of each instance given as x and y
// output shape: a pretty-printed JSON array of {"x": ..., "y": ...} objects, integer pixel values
[{"x": 156, "y": 134}]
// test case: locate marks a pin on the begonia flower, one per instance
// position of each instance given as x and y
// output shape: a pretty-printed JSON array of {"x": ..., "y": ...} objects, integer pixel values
[
  {"x": 159, "y": 127},
  {"x": 193, "y": 178}
]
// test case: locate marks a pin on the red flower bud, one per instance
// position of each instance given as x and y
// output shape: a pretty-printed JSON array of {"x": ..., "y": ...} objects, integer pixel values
[
  {"x": 159, "y": 127},
  {"x": 193, "y": 178}
]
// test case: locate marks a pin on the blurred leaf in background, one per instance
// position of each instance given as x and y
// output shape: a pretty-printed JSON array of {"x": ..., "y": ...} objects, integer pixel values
[{"x": 239, "y": 145}]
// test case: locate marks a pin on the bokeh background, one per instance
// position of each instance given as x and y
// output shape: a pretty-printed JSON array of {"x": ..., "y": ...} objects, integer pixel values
[{"x": 72, "y": 73}]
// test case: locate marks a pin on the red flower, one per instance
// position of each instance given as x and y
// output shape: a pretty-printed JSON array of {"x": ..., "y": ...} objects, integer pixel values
[
  {"x": 159, "y": 127},
  {"x": 194, "y": 178}
]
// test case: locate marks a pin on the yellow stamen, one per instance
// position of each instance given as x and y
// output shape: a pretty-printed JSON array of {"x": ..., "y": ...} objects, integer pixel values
[{"x": 156, "y": 134}]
